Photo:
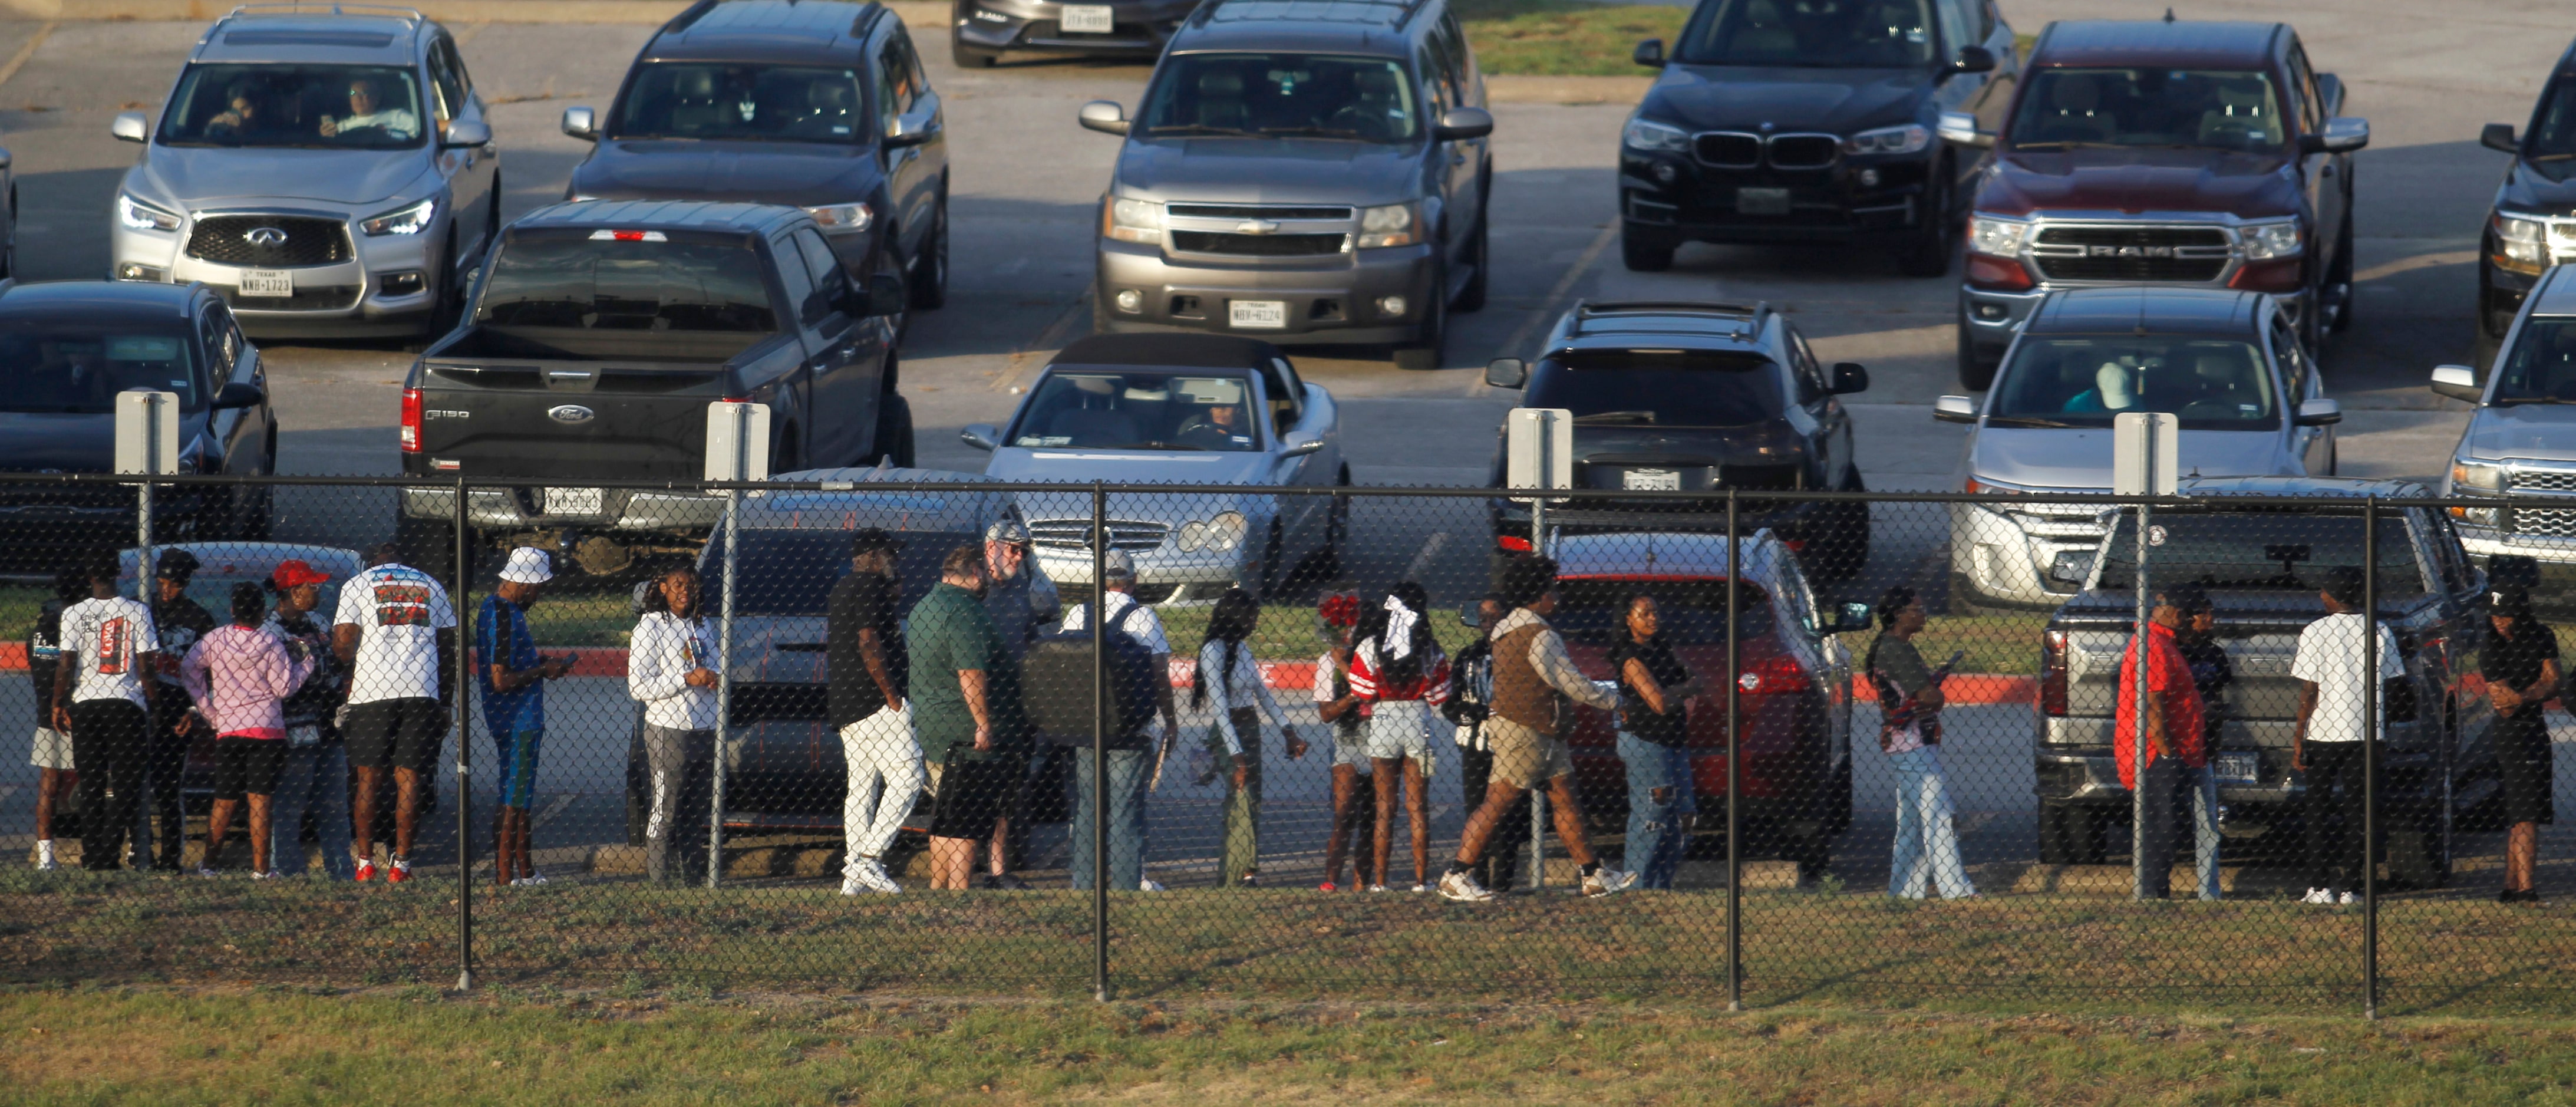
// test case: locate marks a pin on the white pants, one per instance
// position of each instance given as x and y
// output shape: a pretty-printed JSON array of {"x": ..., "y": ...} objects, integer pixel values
[{"x": 879, "y": 748}]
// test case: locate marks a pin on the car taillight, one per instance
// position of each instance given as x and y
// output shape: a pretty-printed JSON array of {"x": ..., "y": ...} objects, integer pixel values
[
  {"x": 1512, "y": 542},
  {"x": 411, "y": 421},
  {"x": 1772, "y": 675},
  {"x": 2052, "y": 673},
  {"x": 2003, "y": 274}
]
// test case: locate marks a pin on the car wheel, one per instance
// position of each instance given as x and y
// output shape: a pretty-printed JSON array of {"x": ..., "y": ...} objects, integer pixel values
[
  {"x": 1644, "y": 251},
  {"x": 1976, "y": 371},
  {"x": 2419, "y": 856},
  {"x": 2339, "y": 278},
  {"x": 894, "y": 432},
  {"x": 1426, "y": 351},
  {"x": 1323, "y": 565},
  {"x": 1926, "y": 252},
  {"x": 2069, "y": 834},
  {"x": 1472, "y": 297},
  {"x": 930, "y": 273}
]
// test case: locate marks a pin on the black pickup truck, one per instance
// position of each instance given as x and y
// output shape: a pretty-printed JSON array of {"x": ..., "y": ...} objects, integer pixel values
[
  {"x": 593, "y": 341},
  {"x": 2263, "y": 566}
]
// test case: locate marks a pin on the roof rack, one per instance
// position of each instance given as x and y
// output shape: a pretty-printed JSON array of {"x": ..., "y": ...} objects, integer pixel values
[
  {"x": 335, "y": 7},
  {"x": 1405, "y": 9},
  {"x": 1586, "y": 309}
]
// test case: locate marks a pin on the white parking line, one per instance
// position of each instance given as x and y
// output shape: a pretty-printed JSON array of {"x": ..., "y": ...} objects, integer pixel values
[{"x": 10, "y": 69}]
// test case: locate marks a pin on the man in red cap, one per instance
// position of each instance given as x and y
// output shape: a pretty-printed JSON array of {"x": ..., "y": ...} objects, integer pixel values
[{"x": 315, "y": 776}]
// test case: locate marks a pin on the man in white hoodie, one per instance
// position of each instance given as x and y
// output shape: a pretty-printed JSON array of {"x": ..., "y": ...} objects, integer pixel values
[{"x": 670, "y": 670}]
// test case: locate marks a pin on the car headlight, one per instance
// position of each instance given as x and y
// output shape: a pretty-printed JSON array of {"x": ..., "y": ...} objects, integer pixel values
[
  {"x": 2476, "y": 476},
  {"x": 843, "y": 218},
  {"x": 1133, "y": 221},
  {"x": 2264, "y": 241},
  {"x": 1224, "y": 532},
  {"x": 2522, "y": 244},
  {"x": 1889, "y": 140},
  {"x": 409, "y": 219},
  {"x": 1654, "y": 138},
  {"x": 1392, "y": 225},
  {"x": 140, "y": 216},
  {"x": 1997, "y": 237}
]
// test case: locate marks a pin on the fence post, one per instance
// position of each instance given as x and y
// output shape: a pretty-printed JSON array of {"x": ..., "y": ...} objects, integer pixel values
[
  {"x": 1538, "y": 795},
  {"x": 460, "y": 575},
  {"x": 1100, "y": 708},
  {"x": 2369, "y": 757},
  {"x": 2140, "y": 658},
  {"x": 724, "y": 692},
  {"x": 1734, "y": 825}
]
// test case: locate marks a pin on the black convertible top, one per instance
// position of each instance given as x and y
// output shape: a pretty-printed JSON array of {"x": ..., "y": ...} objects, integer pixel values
[{"x": 1194, "y": 351}]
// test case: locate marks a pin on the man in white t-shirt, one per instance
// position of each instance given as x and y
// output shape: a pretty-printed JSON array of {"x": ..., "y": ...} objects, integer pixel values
[
  {"x": 101, "y": 699},
  {"x": 367, "y": 110},
  {"x": 2326, "y": 746},
  {"x": 397, "y": 633}
]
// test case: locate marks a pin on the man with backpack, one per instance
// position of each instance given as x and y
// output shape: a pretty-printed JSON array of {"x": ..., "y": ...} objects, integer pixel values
[
  {"x": 1141, "y": 659},
  {"x": 965, "y": 691}
]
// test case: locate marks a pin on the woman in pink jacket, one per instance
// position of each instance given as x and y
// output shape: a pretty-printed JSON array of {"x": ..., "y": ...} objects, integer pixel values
[{"x": 240, "y": 677}]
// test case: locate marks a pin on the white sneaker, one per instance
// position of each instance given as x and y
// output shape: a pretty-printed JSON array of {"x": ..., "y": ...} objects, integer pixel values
[
  {"x": 1418, "y": 889},
  {"x": 1606, "y": 881},
  {"x": 1148, "y": 885},
  {"x": 533, "y": 879},
  {"x": 2320, "y": 897},
  {"x": 271, "y": 874},
  {"x": 1463, "y": 888},
  {"x": 1377, "y": 887},
  {"x": 205, "y": 872},
  {"x": 871, "y": 875},
  {"x": 45, "y": 856},
  {"x": 2347, "y": 899},
  {"x": 850, "y": 886}
]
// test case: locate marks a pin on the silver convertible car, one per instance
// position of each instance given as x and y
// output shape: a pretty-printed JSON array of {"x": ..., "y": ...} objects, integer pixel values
[{"x": 1213, "y": 411}]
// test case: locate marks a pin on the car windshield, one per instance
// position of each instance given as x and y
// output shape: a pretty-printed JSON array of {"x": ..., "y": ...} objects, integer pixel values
[
  {"x": 2541, "y": 367},
  {"x": 2197, "y": 109},
  {"x": 79, "y": 370},
  {"x": 321, "y": 107},
  {"x": 2277, "y": 550},
  {"x": 791, "y": 572},
  {"x": 2209, "y": 383},
  {"x": 572, "y": 287},
  {"x": 1130, "y": 409},
  {"x": 2553, "y": 127},
  {"x": 760, "y": 103},
  {"x": 1824, "y": 34},
  {"x": 1693, "y": 612},
  {"x": 1283, "y": 95},
  {"x": 1672, "y": 388}
]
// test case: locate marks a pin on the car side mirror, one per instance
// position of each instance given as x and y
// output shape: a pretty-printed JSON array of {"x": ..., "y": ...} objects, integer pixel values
[
  {"x": 1959, "y": 128},
  {"x": 2499, "y": 138},
  {"x": 1650, "y": 54},
  {"x": 131, "y": 126},
  {"x": 2459, "y": 382},
  {"x": 1973, "y": 59},
  {"x": 980, "y": 435},
  {"x": 2343, "y": 134},
  {"x": 1462, "y": 123},
  {"x": 466, "y": 134},
  {"x": 907, "y": 131},
  {"x": 1506, "y": 372},
  {"x": 581, "y": 123},
  {"x": 238, "y": 395},
  {"x": 886, "y": 295},
  {"x": 2319, "y": 413},
  {"x": 1105, "y": 116},
  {"x": 1850, "y": 377},
  {"x": 2072, "y": 567},
  {"x": 4, "y": 158},
  {"x": 1850, "y": 617},
  {"x": 1300, "y": 444},
  {"x": 1954, "y": 409}
]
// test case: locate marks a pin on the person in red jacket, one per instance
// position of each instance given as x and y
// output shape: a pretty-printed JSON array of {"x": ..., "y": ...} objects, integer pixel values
[{"x": 1399, "y": 671}]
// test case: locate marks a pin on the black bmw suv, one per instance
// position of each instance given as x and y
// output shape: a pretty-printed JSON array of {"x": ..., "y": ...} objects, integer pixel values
[
  {"x": 2533, "y": 224},
  {"x": 1700, "y": 397},
  {"x": 1812, "y": 121}
]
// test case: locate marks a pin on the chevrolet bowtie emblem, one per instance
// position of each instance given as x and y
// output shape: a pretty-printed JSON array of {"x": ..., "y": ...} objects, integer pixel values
[{"x": 1257, "y": 226}]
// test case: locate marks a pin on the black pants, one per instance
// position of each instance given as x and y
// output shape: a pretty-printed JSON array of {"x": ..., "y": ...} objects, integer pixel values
[
  {"x": 1501, "y": 861},
  {"x": 107, "y": 743},
  {"x": 165, "y": 760},
  {"x": 2334, "y": 815}
]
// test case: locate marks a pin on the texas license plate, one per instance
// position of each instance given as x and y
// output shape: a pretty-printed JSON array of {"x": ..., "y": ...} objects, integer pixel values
[
  {"x": 1652, "y": 480},
  {"x": 1761, "y": 201},
  {"x": 572, "y": 501},
  {"x": 1259, "y": 314},
  {"x": 267, "y": 282},
  {"x": 1088, "y": 19},
  {"x": 2237, "y": 768}
]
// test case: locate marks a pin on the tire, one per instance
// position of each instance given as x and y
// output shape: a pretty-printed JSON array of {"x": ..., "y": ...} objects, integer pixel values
[
  {"x": 894, "y": 432},
  {"x": 428, "y": 545},
  {"x": 1976, "y": 374},
  {"x": 971, "y": 57},
  {"x": 1926, "y": 252},
  {"x": 1427, "y": 350},
  {"x": 1644, "y": 251},
  {"x": 2340, "y": 276},
  {"x": 1472, "y": 297},
  {"x": 2069, "y": 834},
  {"x": 1323, "y": 565},
  {"x": 1838, "y": 801},
  {"x": 929, "y": 278}
]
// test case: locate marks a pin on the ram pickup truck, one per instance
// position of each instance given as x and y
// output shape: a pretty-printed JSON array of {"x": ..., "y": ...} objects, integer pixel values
[
  {"x": 595, "y": 338},
  {"x": 2198, "y": 154},
  {"x": 2263, "y": 565}
]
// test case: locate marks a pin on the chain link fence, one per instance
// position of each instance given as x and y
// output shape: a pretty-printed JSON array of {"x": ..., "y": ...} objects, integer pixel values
[{"x": 1361, "y": 741}]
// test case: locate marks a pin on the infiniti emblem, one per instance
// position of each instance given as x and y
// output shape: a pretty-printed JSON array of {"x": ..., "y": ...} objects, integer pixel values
[
  {"x": 569, "y": 413},
  {"x": 271, "y": 237}
]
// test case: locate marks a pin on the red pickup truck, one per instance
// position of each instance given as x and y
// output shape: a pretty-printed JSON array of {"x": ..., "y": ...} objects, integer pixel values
[{"x": 2161, "y": 153}]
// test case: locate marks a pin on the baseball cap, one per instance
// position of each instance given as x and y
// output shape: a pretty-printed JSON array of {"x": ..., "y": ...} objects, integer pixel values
[
  {"x": 1117, "y": 565},
  {"x": 870, "y": 540},
  {"x": 2511, "y": 601},
  {"x": 1009, "y": 531},
  {"x": 176, "y": 565},
  {"x": 528, "y": 565},
  {"x": 296, "y": 573}
]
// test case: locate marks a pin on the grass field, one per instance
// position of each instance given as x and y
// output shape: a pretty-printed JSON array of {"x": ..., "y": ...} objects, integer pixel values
[
  {"x": 1557, "y": 38},
  {"x": 637, "y": 1044}
]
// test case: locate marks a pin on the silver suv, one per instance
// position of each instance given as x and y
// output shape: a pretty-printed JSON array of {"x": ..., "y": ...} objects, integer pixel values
[
  {"x": 1301, "y": 174},
  {"x": 2521, "y": 440},
  {"x": 328, "y": 171}
]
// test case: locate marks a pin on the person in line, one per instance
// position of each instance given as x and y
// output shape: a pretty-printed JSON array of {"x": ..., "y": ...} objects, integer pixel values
[
  {"x": 2176, "y": 729},
  {"x": 1401, "y": 673},
  {"x": 966, "y": 714},
  {"x": 865, "y": 675},
  {"x": 513, "y": 676},
  {"x": 2211, "y": 675},
  {"x": 102, "y": 700},
  {"x": 1354, "y": 789},
  {"x": 1909, "y": 732},
  {"x": 1131, "y": 772},
  {"x": 670, "y": 669},
  {"x": 2326, "y": 745},
  {"x": 315, "y": 775},
  {"x": 1471, "y": 695},
  {"x": 396, "y": 631},
  {"x": 51, "y": 750},
  {"x": 1243, "y": 699},
  {"x": 1533, "y": 680},
  {"x": 1655, "y": 691},
  {"x": 181, "y": 622},
  {"x": 1023, "y": 603},
  {"x": 239, "y": 676},
  {"x": 2520, "y": 666}
]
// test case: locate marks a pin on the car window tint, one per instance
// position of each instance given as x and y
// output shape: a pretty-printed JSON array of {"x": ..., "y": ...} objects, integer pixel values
[
  {"x": 1958, "y": 25},
  {"x": 369, "y": 107},
  {"x": 2211, "y": 383},
  {"x": 1811, "y": 377},
  {"x": 213, "y": 335},
  {"x": 79, "y": 370},
  {"x": 445, "y": 80},
  {"x": 1847, "y": 34},
  {"x": 2294, "y": 358},
  {"x": 791, "y": 572},
  {"x": 685, "y": 283},
  {"x": 2274, "y": 549},
  {"x": 1987, "y": 20},
  {"x": 2553, "y": 123},
  {"x": 706, "y": 100},
  {"x": 1464, "y": 72},
  {"x": 2190, "y": 108},
  {"x": 810, "y": 309},
  {"x": 2542, "y": 363},
  {"x": 1283, "y": 95},
  {"x": 1138, "y": 410},
  {"x": 1642, "y": 388},
  {"x": 2303, "y": 92}
]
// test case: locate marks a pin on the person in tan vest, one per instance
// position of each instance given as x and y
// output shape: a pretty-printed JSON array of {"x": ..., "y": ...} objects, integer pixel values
[{"x": 1533, "y": 679}]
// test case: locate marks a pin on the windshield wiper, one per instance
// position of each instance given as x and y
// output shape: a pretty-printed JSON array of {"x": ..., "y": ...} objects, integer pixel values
[
  {"x": 1615, "y": 417},
  {"x": 2016, "y": 421},
  {"x": 1200, "y": 129}
]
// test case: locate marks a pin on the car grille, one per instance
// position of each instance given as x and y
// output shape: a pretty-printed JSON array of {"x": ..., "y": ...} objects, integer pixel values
[
  {"x": 1075, "y": 534},
  {"x": 318, "y": 298},
  {"x": 2546, "y": 522},
  {"x": 1254, "y": 211},
  {"x": 2544, "y": 480},
  {"x": 1257, "y": 245},
  {"x": 1730, "y": 151},
  {"x": 1803, "y": 151},
  {"x": 1736, "y": 150},
  {"x": 2174, "y": 255},
  {"x": 223, "y": 239}
]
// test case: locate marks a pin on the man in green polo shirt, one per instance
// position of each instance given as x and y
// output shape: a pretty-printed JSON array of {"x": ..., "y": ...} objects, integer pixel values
[{"x": 965, "y": 689}]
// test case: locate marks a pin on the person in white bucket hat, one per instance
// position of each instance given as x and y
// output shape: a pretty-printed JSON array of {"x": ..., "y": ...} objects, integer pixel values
[{"x": 513, "y": 676}]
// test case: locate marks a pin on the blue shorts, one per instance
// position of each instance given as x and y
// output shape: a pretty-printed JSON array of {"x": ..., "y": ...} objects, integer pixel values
[{"x": 518, "y": 765}]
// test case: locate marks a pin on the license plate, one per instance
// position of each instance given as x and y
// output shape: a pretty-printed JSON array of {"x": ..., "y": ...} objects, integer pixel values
[
  {"x": 267, "y": 282},
  {"x": 572, "y": 501},
  {"x": 1652, "y": 480},
  {"x": 1088, "y": 19},
  {"x": 1761, "y": 201},
  {"x": 1262, "y": 314},
  {"x": 2237, "y": 768}
]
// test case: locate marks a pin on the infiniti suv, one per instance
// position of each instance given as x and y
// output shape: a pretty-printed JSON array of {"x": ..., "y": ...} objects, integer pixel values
[{"x": 329, "y": 175}]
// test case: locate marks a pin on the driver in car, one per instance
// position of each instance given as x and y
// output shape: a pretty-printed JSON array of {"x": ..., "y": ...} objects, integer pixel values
[
  {"x": 366, "y": 109},
  {"x": 1216, "y": 426}
]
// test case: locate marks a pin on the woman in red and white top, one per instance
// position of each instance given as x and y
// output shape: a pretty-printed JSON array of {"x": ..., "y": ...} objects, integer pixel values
[{"x": 1399, "y": 671}]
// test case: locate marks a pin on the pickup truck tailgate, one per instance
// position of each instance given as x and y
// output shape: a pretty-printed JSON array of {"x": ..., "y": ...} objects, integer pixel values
[{"x": 566, "y": 420}]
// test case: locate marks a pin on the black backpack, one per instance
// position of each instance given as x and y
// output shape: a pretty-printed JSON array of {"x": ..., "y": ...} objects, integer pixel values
[{"x": 1056, "y": 692}]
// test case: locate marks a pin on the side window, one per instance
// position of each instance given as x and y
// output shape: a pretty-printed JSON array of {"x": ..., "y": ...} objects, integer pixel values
[
  {"x": 444, "y": 80},
  {"x": 1800, "y": 601},
  {"x": 2294, "y": 360},
  {"x": 456, "y": 65},
  {"x": 891, "y": 99},
  {"x": 799, "y": 284},
  {"x": 1958, "y": 25},
  {"x": 1296, "y": 388},
  {"x": 2437, "y": 531},
  {"x": 1463, "y": 57},
  {"x": 1987, "y": 20},
  {"x": 823, "y": 267},
  {"x": 1429, "y": 65},
  {"x": 915, "y": 82},
  {"x": 1803, "y": 368},
  {"x": 2303, "y": 88},
  {"x": 216, "y": 332}
]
